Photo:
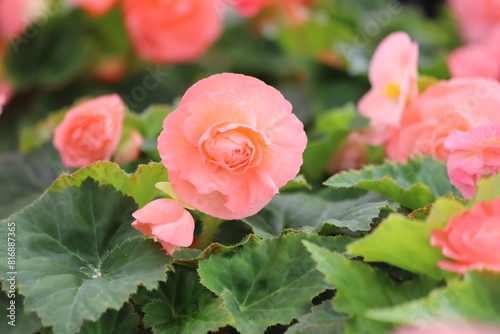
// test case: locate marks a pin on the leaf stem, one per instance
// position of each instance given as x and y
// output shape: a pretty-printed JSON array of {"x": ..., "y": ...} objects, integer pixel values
[{"x": 210, "y": 226}]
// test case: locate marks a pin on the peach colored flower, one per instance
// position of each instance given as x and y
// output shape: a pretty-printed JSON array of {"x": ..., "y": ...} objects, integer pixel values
[
  {"x": 476, "y": 18},
  {"x": 90, "y": 131},
  {"x": 294, "y": 11},
  {"x": 172, "y": 31},
  {"x": 130, "y": 148},
  {"x": 473, "y": 155},
  {"x": 454, "y": 326},
  {"x": 351, "y": 155},
  {"x": 459, "y": 104},
  {"x": 17, "y": 15},
  {"x": 471, "y": 240},
  {"x": 110, "y": 69},
  {"x": 478, "y": 59},
  {"x": 167, "y": 221},
  {"x": 94, "y": 7},
  {"x": 230, "y": 145},
  {"x": 393, "y": 76}
]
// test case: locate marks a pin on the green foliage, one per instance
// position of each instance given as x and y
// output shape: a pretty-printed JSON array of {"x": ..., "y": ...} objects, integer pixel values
[
  {"x": 184, "y": 306},
  {"x": 122, "y": 321},
  {"x": 399, "y": 239},
  {"x": 25, "y": 322},
  {"x": 77, "y": 246},
  {"x": 322, "y": 320},
  {"x": 267, "y": 282},
  {"x": 23, "y": 178},
  {"x": 140, "y": 185},
  {"x": 310, "y": 213},
  {"x": 361, "y": 288},
  {"x": 331, "y": 129},
  {"x": 488, "y": 189},
  {"x": 414, "y": 184},
  {"x": 49, "y": 54},
  {"x": 476, "y": 298}
]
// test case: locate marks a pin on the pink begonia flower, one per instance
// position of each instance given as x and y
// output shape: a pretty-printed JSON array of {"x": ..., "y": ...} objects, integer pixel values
[
  {"x": 459, "y": 104},
  {"x": 172, "y": 31},
  {"x": 90, "y": 131},
  {"x": 130, "y": 149},
  {"x": 478, "y": 59},
  {"x": 294, "y": 11},
  {"x": 230, "y": 145},
  {"x": 94, "y": 7},
  {"x": 471, "y": 239},
  {"x": 17, "y": 15},
  {"x": 476, "y": 18},
  {"x": 454, "y": 326},
  {"x": 167, "y": 221},
  {"x": 473, "y": 155},
  {"x": 110, "y": 69},
  {"x": 393, "y": 76}
]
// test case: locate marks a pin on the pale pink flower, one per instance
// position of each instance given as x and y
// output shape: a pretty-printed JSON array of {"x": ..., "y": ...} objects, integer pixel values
[
  {"x": 167, "y": 221},
  {"x": 230, "y": 145},
  {"x": 478, "y": 59},
  {"x": 473, "y": 155},
  {"x": 393, "y": 76},
  {"x": 90, "y": 131},
  {"x": 17, "y": 15},
  {"x": 471, "y": 240},
  {"x": 459, "y": 104},
  {"x": 476, "y": 18},
  {"x": 129, "y": 149},
  {"x": 94, "y": 7},
  {"x": 454, "y": 326},
  {"x": 172, "y": 31}
]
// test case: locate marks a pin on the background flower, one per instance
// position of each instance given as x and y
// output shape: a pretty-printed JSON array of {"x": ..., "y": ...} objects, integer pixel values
[
  {"x": 471, "y": 239},
  {"x": 167, "y": 221},
  {"x": 473, "y": 155},
  {"x": 94, "y": 7},
  {"x": 230, "y": 145},
  {"x": 478, "y": 59},
  {"x": 454, "y": 105},
  {"x": 171, "y": 31},
  {"x": 475, "y": 18},
  {"x": 90, "y": 131},
  {"x": 393, "y": 76}
]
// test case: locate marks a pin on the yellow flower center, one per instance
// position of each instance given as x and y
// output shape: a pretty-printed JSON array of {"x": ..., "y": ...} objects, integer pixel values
[{"x": 392, "y": 90}]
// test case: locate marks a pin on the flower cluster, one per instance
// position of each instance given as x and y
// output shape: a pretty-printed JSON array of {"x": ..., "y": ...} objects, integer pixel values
[{"x": 435, "y": 121}]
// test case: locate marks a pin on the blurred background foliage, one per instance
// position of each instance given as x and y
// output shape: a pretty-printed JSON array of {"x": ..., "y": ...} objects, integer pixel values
[{"x": 319, "y": 65}]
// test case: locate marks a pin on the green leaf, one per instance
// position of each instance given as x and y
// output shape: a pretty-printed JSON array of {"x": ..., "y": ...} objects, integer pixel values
[
  {"x": 310, "y": 213},
  {"x": 48, "y": 55},
  {"x": 267, "y": 282},
  {"x": 361, "y": 288},
  {"x": 406, "y": 243},
  {"x": 153, "y": 118},
  {"x": 332, "y": 128},
  {"x": 298, "y": 183},
  {"x": 183, "y": 305},
  {"x": 140, "y": 185},
  {"x": 414, "y": 184},
  {"x": 322, "y": 320},
  {"x": 34, "y": 136},
  {"x": 488, "y": 189},
  {"x": 24, "y": 322},
  {"x": 24, "y": 178},
  {"x": 77, "y": 255},
  {"x": 477, "y": 297},
  {"x": 123, "y": 321}
]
